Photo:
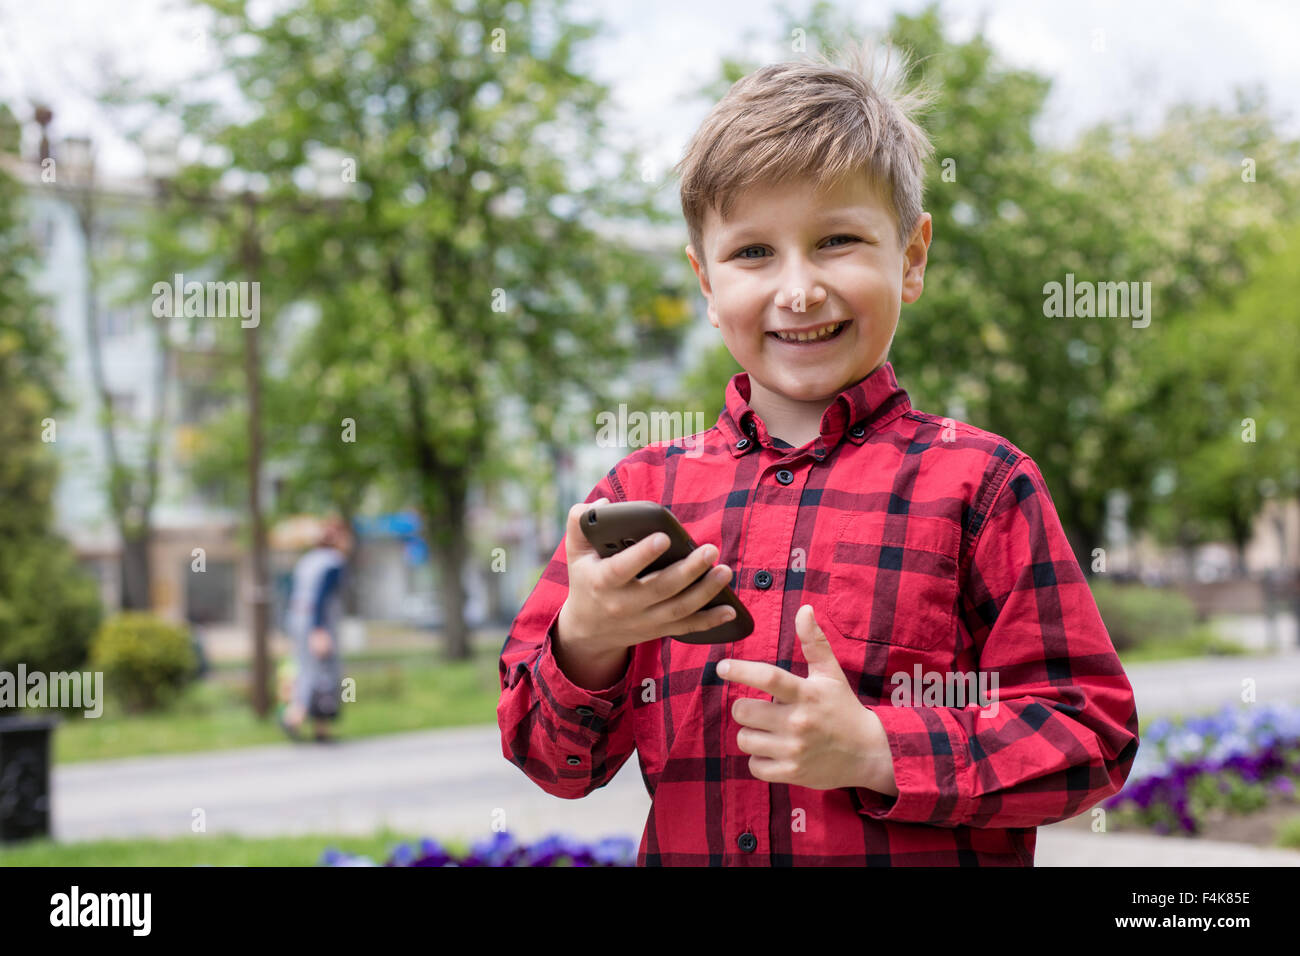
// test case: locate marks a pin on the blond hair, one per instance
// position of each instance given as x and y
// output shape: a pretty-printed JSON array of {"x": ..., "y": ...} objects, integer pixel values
[{"x": 814, "y": 119}]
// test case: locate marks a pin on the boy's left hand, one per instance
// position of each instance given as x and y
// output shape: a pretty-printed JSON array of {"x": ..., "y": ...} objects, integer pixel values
[{"x": 815, "y": 732}]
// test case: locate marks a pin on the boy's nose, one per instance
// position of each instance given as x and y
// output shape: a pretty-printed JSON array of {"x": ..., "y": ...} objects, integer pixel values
[{"x": 800, "y": 298}]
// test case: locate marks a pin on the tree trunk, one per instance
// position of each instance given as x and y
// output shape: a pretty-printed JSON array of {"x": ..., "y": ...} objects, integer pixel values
[
  {"x": 134, "y": 561},
  {"x": 496, "y": 612},
  {"x": 1083, "y": 540},
  {"x": 250, "y": 260},
  {"x": 354, "y": 560},
  {"x": 446, "y": 536},
  {"x": 1240, "y": 527}
]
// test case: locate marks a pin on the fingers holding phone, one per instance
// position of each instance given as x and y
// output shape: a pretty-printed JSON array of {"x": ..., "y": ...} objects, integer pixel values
[{"x": 646, "y": 584}]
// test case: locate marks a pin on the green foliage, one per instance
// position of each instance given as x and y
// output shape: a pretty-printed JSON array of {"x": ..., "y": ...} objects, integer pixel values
[
  {"x": 1288, "y": 834},
  {"x": 48, "y": 608},
  {"x": 1227, "y": 791},
  {"x": 1227, "y": 379},
  {"x": 1136, "y": 614},
  {"x": 146, "y": 661}
]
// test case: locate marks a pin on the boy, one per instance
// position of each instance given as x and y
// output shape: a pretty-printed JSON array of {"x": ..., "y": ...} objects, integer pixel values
[{"x": 892, "y": 560}]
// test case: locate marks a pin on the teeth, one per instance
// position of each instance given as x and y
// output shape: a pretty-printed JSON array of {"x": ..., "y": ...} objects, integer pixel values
[{"x": 817, "y": 336}]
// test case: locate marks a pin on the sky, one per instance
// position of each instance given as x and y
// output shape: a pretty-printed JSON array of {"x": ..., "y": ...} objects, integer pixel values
[{"x": 1151, "y": 55}]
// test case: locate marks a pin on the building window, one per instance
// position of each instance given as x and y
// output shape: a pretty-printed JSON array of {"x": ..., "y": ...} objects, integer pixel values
[
  {"x": 115, "y": 322},
  {"x": 210, "y": 594}
]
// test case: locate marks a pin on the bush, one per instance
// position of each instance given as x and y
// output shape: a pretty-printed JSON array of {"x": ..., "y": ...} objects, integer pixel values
[
  {"x": 1136, "y": 614},
  {"x": 49, "y": 609},
  {"x": 146, "y": 661}
]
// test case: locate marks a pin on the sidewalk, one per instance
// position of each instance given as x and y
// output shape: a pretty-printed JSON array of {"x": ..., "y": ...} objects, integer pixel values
[{"x": 448, "y": 783}]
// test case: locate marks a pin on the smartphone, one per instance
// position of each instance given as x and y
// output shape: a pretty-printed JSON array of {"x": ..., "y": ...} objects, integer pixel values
[{"x": 618, "y": 525}]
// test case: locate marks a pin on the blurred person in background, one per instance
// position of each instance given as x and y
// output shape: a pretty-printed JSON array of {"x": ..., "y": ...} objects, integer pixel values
[{"x": 312, "y": 624}]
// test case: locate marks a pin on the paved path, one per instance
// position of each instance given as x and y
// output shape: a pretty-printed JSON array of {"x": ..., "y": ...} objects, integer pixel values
[
  {"x": 1205, "y": 684},
  {"x": 457, "y": 783},
  {"x": 448, "y": 783}
]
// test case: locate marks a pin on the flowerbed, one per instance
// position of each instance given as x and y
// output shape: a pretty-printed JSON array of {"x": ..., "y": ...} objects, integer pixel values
[
  {"x": 502, "y": 849},
  {"x": 1236, "y": 761}
]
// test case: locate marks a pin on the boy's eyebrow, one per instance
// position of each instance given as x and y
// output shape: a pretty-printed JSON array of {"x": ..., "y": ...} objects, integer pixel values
[{"x": 851, "y": 215}]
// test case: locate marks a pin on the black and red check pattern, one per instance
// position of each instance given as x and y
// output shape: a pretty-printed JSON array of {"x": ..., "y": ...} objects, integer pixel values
[{"x": 920, "y": 542}]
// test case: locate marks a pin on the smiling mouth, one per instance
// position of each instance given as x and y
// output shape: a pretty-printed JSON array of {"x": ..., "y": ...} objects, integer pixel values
[{"x": 824, "y": 334}]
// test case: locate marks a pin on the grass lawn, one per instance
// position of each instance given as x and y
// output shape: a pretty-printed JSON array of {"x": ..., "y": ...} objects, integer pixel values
[
  {"x": 394, "y": 693},
  {"x": 210, "y": 849},
  {"x": 1198, "y": 642}
]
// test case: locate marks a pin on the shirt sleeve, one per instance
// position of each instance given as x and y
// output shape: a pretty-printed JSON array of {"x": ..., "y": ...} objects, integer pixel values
[
  {"x": 1061, "y": 732},
  {"x": 567, "y": 739}
]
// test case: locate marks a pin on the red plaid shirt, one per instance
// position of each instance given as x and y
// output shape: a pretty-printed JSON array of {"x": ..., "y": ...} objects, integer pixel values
[{"x": 921, "y": 543}]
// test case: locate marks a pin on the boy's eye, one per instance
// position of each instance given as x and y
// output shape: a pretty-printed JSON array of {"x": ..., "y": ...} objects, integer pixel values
[{"x": 743, "y": 253}]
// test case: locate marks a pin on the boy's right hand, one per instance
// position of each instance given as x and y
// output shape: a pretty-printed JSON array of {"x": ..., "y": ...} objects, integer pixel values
[{"x": 610, "y": 609}]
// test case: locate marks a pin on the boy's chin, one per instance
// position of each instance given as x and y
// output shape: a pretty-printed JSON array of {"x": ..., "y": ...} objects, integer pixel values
[{"x": 805, "y": 388}]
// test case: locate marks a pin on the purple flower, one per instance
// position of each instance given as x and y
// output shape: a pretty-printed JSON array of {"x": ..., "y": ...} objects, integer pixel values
[
  {"x": 502, "y": 849},
  {"x": 615, "y": 851},
  {"x": 402, "y": 855}
]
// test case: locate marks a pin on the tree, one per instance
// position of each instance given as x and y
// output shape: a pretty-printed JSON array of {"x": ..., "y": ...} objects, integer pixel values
[
  {"x": 1227, "y": 375},
  {"x": 472, "y": 253},
  {"x": 48, "y": 608}
]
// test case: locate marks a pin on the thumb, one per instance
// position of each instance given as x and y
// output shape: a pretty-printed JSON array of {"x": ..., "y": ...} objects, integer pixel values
[
  {"x": 817, "y": 649},
  {"x": 575, "y": 542}
]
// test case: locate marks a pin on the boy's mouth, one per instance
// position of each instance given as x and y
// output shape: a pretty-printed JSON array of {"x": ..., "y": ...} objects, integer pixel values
[{"x": 814, "y": 336}]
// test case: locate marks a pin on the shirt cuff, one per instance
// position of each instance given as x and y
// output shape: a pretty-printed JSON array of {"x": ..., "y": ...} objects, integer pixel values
[
  {"x": 927, "y": 770},
  {"x": 589, "y": 709}
]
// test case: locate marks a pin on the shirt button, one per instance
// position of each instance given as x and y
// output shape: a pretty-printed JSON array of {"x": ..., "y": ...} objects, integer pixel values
[
  {"x": 573, "y": 761},
  {"x": 585, "y": 711},
  {"x": 747, "y": 842},
  {"x": 742, "y": 444},
  {"x": 785, "y": 476},
  {"x": 857, "y": 431},
  {"x": 762, "y": 580}
]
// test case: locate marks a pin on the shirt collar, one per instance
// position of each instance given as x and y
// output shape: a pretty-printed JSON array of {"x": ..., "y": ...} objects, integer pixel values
[{"x": 852, "y": 414}]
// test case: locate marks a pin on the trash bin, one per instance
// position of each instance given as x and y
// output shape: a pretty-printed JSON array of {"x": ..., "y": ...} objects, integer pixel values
[{"x": 24, "y": 778}]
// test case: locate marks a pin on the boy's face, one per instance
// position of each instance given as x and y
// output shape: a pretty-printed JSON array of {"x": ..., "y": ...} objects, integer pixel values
[{"x": 790, "y": 258}]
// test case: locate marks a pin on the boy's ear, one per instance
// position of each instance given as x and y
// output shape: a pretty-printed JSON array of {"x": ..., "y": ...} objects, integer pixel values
[
  {"x": 705, "y": 288},
  {"x": 914, "y": 259}
]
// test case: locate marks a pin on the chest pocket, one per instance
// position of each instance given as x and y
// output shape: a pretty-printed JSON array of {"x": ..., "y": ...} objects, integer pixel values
[{"x": 893, "y": 579}]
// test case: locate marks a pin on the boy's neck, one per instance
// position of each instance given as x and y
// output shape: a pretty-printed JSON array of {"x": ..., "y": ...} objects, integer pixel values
[{"x": 793, "y": 421}]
